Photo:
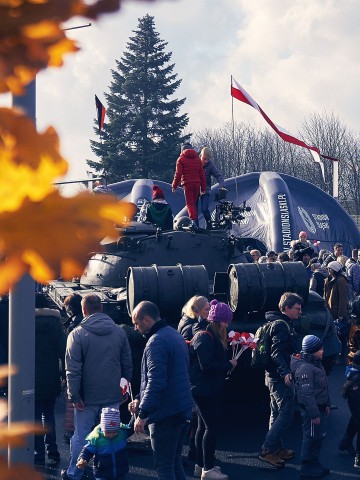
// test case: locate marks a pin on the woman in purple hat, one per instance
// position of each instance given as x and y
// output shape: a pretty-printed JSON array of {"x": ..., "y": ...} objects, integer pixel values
[{"x": 208, "y": 368}]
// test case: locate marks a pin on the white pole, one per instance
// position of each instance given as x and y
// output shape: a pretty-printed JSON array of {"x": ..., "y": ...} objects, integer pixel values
[{"x": 336, "y": 179}]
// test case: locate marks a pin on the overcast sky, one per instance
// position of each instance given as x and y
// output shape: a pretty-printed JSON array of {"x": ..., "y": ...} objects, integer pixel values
[{"x": 294, "y": 57}]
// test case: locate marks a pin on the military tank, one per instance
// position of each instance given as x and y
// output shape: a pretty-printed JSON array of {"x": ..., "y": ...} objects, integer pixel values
[{"x": 169, "y": 267}]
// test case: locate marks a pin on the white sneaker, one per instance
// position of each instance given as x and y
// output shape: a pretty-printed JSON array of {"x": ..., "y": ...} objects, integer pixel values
[
  {"x": 197, "y": 470},
  {"x": 214, "y": 473}
]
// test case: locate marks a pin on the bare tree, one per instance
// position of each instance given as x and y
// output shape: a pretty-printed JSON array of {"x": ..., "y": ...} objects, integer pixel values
[
  {"x": 333, "y": 138},
  {"x": 242, "y": 148}
]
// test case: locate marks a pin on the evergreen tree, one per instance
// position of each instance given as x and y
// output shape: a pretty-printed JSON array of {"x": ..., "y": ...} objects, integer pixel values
[{"x": 144, "y": 130}]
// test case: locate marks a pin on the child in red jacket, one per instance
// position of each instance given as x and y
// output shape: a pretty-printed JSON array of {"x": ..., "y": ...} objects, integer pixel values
[{"x": 190, "y": 172}]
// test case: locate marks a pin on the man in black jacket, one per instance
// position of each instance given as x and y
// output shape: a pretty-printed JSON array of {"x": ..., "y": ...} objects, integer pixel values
[
  {"x": 50, "y": 344},
  {"x": 279, "y": 380}
]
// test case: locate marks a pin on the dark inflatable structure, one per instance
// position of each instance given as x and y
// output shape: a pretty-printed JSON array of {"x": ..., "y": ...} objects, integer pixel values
[{"x": 282, "y": 206}]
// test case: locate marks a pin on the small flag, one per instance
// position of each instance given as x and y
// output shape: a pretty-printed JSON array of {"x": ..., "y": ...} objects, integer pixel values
[
  {"x": 240, "y": 94},
  {"x": 100, "y": 110},
  {"x": 124, "y": 385}
]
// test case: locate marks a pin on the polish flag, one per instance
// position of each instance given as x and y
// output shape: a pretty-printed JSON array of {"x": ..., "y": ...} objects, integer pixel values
[{"x": 240, "y": 94}]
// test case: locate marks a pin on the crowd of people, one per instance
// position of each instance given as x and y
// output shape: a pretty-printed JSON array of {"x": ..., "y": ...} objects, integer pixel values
[
  {"x": 183, "y": 376},
  {"x": 332, "y": 275}
]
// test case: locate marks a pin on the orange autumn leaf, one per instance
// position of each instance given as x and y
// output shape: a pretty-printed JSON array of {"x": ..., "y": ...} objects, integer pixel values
[
  {"x": 29, "y": 161},
  {"x": 17, "y": 471},
  {"x": 32, "y": 36},
  {"x": 6, "y": 371},
  {"x": 16, "y": 435},
  {"x": 22, "y": 57},
  {"x": 56, "y": 235}
]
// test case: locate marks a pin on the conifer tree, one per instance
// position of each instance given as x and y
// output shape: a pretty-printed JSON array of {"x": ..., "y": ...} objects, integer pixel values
[{"x": 142, "y": 136}]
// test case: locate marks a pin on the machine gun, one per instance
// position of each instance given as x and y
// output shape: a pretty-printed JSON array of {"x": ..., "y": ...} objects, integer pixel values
[{"x": 226, "y": 213}]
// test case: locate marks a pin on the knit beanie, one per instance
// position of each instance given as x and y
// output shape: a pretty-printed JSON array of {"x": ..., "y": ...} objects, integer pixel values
[
  {"x": 110, "y": 420},
  {"x": 186, "y": 146},
  {"x": 311, "y": 344},
  {"x": 157, "y": 192},
  {"x": 219, "y": 312},
  {"x": 336, "y": 266}
]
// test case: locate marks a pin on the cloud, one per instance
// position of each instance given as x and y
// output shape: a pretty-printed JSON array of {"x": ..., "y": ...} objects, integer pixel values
[{"x": 294, "y": 57}]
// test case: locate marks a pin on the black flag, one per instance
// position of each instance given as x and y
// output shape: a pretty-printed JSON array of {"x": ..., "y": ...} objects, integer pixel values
[{"x": 100, "y": 109}]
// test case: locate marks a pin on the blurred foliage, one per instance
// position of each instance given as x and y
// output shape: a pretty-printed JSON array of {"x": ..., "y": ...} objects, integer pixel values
[{"x": 41, "y": 232}]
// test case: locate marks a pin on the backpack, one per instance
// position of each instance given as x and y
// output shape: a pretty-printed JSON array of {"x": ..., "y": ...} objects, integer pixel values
[{"x": 261, "y": 354}]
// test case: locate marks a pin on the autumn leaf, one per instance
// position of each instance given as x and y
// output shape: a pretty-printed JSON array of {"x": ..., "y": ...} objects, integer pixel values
[
  {"x": 3, "y": 410},
  {"x": 17, "y": 472},
  {"x": 6, "y": 371},
  {"x": 29, "y": 161},
  {"x": 56, "y": 235},
  {"x": 16, "y": 436},
  {"x": 24, "y": 54},
  {"x": 32, "y": 36}
]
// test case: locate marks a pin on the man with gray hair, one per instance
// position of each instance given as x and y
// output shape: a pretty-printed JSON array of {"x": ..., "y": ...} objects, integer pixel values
[{"x": 97, "y": 356}]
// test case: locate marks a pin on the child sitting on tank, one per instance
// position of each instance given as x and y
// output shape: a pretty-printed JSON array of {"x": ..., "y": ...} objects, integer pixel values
[{"x": 159, "y": 212}]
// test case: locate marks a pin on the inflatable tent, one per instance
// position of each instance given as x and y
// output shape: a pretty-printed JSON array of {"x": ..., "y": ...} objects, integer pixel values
[{"x": 281, "y": 206}]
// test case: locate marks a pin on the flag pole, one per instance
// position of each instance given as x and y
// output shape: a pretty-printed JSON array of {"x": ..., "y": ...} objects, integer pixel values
[
  {"x": 336, "y": 180},
  {"x": 233, "y": 132}
]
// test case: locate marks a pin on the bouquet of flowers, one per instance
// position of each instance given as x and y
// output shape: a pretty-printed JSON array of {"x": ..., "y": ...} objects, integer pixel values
[{"x": 240, "y": 342}]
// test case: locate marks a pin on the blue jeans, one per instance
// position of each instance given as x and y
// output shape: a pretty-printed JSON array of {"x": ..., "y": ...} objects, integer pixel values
[
  {"x": 44, "y": 413},
  {"x": 281, "y": 416},
  {"x": 84, "y": 421},
  {"x": 167, "y": 440},
  {"x": 205, "y": 200}
]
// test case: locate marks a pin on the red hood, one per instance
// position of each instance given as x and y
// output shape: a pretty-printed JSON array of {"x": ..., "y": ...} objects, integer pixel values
[{"x": 189, "y": 153}]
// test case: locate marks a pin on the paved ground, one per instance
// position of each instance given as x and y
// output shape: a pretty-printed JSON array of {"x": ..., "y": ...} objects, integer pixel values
[{"x": 243, "y": 429}]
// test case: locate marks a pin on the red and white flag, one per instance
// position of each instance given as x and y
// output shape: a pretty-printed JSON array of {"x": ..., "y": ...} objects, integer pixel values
[
  {"x": 124, "y": 385},
  {"x": 240, "y": 94}
]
